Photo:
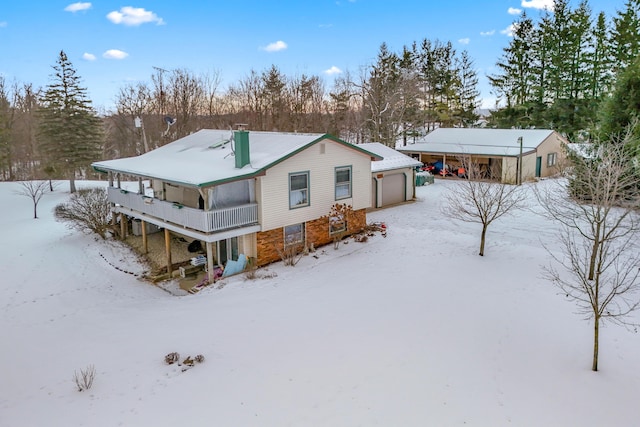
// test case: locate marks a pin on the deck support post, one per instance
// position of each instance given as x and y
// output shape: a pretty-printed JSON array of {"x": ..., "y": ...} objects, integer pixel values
[
  {"x": 167, "y": 244},
  {"x": 210, "y": 269},
  {"x": 145, "y": 247},
  {"x": 123, "y": 226}
]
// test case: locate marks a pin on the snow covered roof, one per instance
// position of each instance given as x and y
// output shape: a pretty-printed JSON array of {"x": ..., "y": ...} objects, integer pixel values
[
  {"x": 207, "y": 158},
  {"x": 487, "y": 142},
  {"x": 392, "y": 159}
]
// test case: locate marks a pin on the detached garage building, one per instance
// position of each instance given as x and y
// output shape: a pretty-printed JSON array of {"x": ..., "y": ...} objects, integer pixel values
[
  {"x": 394, "y": 179},
  {"x": 496, "y": 151}
]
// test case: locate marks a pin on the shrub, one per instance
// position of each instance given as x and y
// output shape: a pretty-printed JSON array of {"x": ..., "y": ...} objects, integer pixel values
[
  {"x": 87, "y": 210},
  {"x": 84, "y": 379},
  {"x": 291, "y": 254},
  {"x": 172, "y": 358}
]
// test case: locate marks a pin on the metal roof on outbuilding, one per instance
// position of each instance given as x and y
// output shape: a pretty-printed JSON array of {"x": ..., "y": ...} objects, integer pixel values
[{"x": 479, "y": 142}]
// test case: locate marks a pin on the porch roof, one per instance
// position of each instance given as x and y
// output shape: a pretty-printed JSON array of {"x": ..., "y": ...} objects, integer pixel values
[
  {"x": 206, "y": 157},
  {"x": 479, "y": 142}
]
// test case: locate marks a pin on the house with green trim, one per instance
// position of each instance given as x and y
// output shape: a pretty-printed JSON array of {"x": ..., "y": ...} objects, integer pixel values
[{"x": 240, "y": 192}]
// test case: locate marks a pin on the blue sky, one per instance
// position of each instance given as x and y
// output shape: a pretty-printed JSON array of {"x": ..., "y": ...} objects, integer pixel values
[{"x": 111, "y": 43}]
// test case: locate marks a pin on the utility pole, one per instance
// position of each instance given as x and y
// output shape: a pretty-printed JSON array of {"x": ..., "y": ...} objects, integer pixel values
[
  {"x": 140, "y": 124},
  {"x": 519, "y": 168}
]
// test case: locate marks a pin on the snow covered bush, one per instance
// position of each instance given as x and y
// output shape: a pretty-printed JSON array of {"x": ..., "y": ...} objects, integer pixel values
[
  {"x": 172, "y": 358},
  {"x": 87, "y": 210}
]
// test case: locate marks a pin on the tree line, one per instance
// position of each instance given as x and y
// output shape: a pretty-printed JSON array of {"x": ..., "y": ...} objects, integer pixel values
[
  {"x": 558, "y": 69},
  {"x": 555, "y": 73}
]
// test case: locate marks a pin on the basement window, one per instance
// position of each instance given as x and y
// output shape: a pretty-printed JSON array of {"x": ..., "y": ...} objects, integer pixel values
[{"x": 294, "y": 234}]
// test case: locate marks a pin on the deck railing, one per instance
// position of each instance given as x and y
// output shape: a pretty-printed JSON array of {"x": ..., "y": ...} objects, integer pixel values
[{"x": 185, "y": 216}]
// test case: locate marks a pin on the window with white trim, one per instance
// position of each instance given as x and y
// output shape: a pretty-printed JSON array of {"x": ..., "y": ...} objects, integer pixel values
[
  {"x": 551, "y": 159},
  {"x": 298, "y": 189},
  {"x": 343, "y": 182},
  {"x": 294, "y": 234}
]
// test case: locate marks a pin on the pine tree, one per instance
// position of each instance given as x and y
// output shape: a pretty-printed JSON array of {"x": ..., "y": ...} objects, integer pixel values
[
  {"x": 382, "y": 98},
  {"x": 620, "y": 112},
  {"x": 70, "y": 134},
  {"x": 625, "y": 35},
  {"x": 514, "y": 81},
  {"x": 467, "y": 89}
]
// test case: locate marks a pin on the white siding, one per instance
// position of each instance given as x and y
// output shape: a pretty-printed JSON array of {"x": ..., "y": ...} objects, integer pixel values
[{"x": 320, "y": 160}]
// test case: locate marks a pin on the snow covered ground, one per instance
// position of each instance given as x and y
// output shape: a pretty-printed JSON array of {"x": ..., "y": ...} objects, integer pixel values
[{"x": 414, "y": 329}]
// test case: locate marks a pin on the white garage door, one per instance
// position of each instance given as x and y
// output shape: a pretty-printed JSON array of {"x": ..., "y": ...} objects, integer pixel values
[{"x": 393, "y": 189}]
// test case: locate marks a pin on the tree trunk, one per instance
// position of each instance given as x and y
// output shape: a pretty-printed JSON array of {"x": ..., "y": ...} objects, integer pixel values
[
  {"x": 596, "y": 331},
  {"x": 35, "y": 210},
  {"x": 594, "y": 253},
  {"x": 482, "y": 238},
  {"x": 72, "y": 184}
]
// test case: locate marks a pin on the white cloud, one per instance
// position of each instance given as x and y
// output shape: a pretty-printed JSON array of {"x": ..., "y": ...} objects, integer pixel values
[
  {"x": 514, "y": 11},
  {"x": 333, "y": 71},
  {"x": 487, "y": 33},
  {"x": 465, "y": 40},
  {"x": 77, "y": 7},
  {"x": 115, "y": 54},
  {"x": 276, "y": 46},
  {"x": 133, "y": 16},
  {"x": 509, "y": 30},
  {"x": 3, "y": 24},
  {"x": 538, "y": 4},
  {"x": 88, "y": 56}
]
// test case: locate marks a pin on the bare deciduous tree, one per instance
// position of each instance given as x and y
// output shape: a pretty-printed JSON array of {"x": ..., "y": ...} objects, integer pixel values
[
  {"x": 598, "y": 232},
  {"x": 34, "y": 190},
  {"x": 478, "y": 200}
]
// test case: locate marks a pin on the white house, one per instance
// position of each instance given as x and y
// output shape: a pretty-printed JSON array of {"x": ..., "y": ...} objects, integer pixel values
[
  {"x": 506, "y": 154},
  {"x": 253, "y": 193}
]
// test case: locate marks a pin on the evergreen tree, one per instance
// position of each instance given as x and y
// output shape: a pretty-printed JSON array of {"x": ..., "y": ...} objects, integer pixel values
[
  {"x": 382, "y": 97},
  {"x": 70, "y": 134},
  {"x": 625, "y": 35},
  {"x": 467, "y": 89},
  {"x": 275, "y": 99},
  {"x": 621, "y": 111},
  {"x": 569, "y": 82},
  {"x": 513, "y": 82},
  {"x": 412, "y": 117}
]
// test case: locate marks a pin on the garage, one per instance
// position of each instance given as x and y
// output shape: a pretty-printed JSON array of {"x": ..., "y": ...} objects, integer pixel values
[
  {"x": 393, "y": 177},
  {"x": 393, "y": 189}
]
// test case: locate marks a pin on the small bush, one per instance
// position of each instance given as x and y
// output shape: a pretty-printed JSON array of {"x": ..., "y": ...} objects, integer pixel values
[
  {"x": 171, "y": 358},
  {"x": 291, "y": 254},
  {"x": 84, "y": 378},
  {"x": 87, "y": 210},
  {"x": 199, "y": 358}
]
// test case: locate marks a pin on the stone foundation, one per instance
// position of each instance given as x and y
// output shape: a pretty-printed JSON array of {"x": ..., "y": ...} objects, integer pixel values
[{"x": 316, "y": 234}]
